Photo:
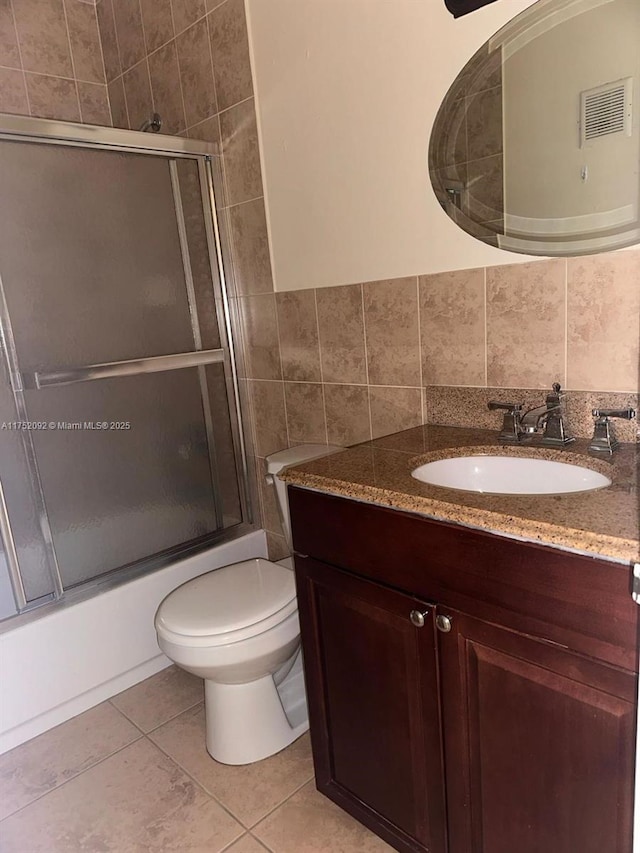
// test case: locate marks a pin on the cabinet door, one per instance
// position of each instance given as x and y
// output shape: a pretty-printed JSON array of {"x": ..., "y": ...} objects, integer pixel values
[
  {"x": 373, "y": 704},
  {"x": 538, "y": 742}
]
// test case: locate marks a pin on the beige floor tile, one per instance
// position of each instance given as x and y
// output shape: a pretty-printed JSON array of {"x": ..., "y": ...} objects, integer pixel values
[
  {"x": 137, "y": 801},
  {"x": 250, "y": 791},
  {"x": 310, "y": 823},
  {"x": 159, "y": 698},
  {"x": 41, "y": 764},
  {"x": 247, "y": 844}
]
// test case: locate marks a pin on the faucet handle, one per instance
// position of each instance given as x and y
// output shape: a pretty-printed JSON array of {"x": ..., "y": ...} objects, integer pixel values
[
  {"x": 604, "y": 439},
  {"x": 627, "y": 414},
  {"x": 511, "y": 427}
]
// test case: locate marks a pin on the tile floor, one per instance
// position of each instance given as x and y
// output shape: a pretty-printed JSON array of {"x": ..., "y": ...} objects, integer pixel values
[{"x": 132, "y": 775}]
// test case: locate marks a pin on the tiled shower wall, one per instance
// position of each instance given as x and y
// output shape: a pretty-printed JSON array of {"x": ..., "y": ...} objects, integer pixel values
[
  {"x": 51, "y": 61},
  {"x": 187, "y": 60}
]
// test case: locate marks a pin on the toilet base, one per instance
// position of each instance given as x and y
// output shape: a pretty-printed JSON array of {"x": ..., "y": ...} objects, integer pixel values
[{"x": 247, "y": 722}]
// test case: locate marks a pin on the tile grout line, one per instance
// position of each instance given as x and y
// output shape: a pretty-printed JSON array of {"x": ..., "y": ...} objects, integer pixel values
[
  {"x": 77, "y": 775},
  {"x": 19, "y": 48},
  {"x": 213, "y": 70},
  {"x": 71, "y": 59},
  {"x": 423, "y": 399},
  {"x": 486, "y": 331},
  {"x": 324, "y": 398},
  {"x": 201, "y": 787},
  {"x": 284, "y": 390},
  {"x": 146, "y": 60},
  {"x": 120, "y": 65},
  {"x": 104, "y": 64},
  {"x": 280, "y": 804},
  {"x": 366, "y": 357},
  {"x": 159, "y": 726},
  {"x": 566, "y": 321}
]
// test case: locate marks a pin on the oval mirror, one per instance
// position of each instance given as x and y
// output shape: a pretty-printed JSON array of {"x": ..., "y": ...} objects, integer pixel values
[{"x": 536, "y": 147}]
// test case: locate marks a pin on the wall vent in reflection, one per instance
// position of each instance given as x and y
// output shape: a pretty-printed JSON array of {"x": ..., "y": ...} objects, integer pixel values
[{"x": 605, "y": 110}]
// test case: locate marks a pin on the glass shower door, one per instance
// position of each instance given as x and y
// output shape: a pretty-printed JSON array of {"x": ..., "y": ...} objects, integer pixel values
[{"x": 116, "y": 357}]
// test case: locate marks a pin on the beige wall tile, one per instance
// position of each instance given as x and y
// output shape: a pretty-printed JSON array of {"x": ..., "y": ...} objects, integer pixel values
[
  {"x": 156, "y": 700},
  {"x": 262, "y": 349},
  {"x": 347, "y": 413},
  {"x": 118, "y": 103},
  {"x": 186, "y": 12},
  {"x": 107, "y": 28},
  {"x": 53, "y": 97},
  {"x": 241, "y": 153},
  {"x": 308, "y": 822},
  {"x": 41, "y": 764},
  {"x": 249, "y": 792},
  {"x": 277, "y": 547},
  {"x": 94, "y": 103},
  {"x": 305, "y": 413},
  {"x": 452, "y": 328},
  {"x": 526, "y": 324},
  {"x": 165, "y": 86},
  {"x": 392, "y": 335},
  {"x": 84, "y": 36},
  {"x": 269, "y": 417},
  {"x": 196, "y": 73},
  {"x": 208, "y": 131},
  {"x": 341, "y": 328},
  {"x": 137, "y": 89},
  {"x": 129, "y": 31},
  {"x": 9, "y": 53},
  {"x": 43, "y": 38},
  {"x": 394, "y": 409},
  {"x": 157, "y": 21},
  {"x": 138, "y": 799},
  {"x": 603, "y": 321},
  {"x": 250, "y": 247},
  {"x": 13, "y": 92},
  {"x": 298, "y": 328},
  {"x": 230, "y": 51}
]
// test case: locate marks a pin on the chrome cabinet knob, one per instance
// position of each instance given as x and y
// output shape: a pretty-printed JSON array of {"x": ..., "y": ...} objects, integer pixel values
[
  {"x": 443, "y": 623},
  {"x": 417, "y": 617}
]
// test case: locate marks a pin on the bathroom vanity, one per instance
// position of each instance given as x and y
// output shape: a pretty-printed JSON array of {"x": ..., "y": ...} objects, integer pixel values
[{"x": 469, "y": 691}]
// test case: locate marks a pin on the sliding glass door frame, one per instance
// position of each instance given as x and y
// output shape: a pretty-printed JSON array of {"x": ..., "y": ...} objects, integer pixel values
[{"x": 41, "y": 131}]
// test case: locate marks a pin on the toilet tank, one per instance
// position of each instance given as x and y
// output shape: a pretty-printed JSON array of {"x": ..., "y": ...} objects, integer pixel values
[{"x": 293, "y": 456}]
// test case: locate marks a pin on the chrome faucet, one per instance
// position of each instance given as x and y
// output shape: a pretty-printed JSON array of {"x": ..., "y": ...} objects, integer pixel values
[
  {"x": 604, "y": 440},
  {"x": 525, "y": 428}
]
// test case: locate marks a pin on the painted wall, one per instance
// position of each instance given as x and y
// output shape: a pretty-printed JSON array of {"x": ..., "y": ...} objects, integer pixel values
[{"x": 346, "y": 96}]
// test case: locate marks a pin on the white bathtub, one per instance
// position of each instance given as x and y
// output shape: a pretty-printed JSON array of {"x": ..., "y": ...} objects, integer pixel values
[{"x": 74, "y": 657}]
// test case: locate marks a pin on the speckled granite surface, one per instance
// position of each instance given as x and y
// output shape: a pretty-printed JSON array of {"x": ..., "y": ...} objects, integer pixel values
[{"x": 603, "y": 522}]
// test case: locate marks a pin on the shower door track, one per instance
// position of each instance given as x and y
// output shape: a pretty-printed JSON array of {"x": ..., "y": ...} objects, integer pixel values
[{"x": 67, "y": 134}]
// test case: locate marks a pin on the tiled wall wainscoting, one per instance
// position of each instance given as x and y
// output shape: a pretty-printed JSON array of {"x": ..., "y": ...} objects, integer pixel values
[{"x": 346, "y": 364}]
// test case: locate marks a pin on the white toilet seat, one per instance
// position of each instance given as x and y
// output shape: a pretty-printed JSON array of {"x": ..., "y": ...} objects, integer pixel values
[{"x": 228, "y": 605}]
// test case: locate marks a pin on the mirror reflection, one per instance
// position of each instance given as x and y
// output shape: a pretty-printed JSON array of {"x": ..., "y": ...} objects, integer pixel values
[{"x": 536, "y": 147}]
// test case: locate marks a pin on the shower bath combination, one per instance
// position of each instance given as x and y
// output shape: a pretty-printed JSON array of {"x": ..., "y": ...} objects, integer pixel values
[{"x": 121, "y": 445}]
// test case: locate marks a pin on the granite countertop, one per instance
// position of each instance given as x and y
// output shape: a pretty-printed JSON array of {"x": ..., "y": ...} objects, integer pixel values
[{"x": 601, "y": 523}]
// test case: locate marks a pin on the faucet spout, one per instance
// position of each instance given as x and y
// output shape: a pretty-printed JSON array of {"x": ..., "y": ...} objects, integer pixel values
[{"x": 533, "y": 418}]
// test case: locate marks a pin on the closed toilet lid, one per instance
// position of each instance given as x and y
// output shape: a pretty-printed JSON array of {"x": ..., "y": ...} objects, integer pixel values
[{"x": 228, "y": 599}]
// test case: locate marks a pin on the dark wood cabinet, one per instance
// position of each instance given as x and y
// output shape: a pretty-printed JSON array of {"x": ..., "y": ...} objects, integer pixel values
[
  {"x": 504, "y": 723},
  {"x": 539, "y": 744},
  {"x": 373, "y": 699}
]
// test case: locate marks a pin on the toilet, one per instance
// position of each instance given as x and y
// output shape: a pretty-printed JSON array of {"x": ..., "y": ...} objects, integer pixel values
[{"x": 237, "y": 628}]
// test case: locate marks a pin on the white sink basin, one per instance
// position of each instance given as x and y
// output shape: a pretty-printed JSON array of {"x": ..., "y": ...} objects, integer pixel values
[{"x": 509, "y": 475}]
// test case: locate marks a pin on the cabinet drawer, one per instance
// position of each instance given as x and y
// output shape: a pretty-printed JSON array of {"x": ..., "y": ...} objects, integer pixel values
[{"x": 580, "y": 602}]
